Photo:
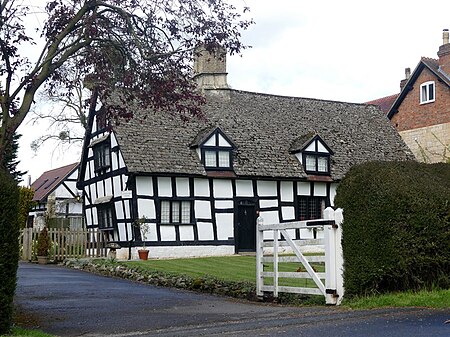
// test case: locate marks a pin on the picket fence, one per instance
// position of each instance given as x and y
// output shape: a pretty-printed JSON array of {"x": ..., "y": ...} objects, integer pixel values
[{"x": 66, "y": 243}]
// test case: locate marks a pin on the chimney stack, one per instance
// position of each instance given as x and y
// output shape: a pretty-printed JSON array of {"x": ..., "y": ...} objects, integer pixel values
[
  {"x": 210, "y": 67},
  {"x": 444, "y": 54},
  {"x": 407, "y": 76}
]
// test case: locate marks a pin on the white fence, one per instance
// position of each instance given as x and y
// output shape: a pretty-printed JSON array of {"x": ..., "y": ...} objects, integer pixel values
[
  {"x": 65, "y": 243},
  {"x": 270, "y": 238}
]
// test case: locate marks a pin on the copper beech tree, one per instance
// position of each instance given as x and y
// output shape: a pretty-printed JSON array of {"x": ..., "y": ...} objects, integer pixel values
[{"x": 142, "y": 47}]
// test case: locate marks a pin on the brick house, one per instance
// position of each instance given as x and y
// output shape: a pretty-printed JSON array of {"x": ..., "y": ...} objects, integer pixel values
[{"x": 421, "y": 111}]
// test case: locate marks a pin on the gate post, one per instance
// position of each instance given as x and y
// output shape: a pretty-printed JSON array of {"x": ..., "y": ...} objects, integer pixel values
[
  {"x": 339, "y": 218},
  {"x": 259, "y": 257},
  {"x": 27, "y": 244},
  {"x": 331, "y": 294}
]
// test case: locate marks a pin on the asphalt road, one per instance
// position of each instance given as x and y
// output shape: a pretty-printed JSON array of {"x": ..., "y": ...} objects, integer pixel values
[{"x": 68, "y": 302}]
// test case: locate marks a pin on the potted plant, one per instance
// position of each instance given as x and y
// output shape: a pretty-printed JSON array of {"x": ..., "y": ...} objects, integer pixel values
[
  {"x": 144, "y": 228},
  {"x": 43, "y": 246}
]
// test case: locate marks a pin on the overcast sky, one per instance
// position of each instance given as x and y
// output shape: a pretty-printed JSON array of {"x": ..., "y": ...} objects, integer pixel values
[{"x": 347, "y": 50}]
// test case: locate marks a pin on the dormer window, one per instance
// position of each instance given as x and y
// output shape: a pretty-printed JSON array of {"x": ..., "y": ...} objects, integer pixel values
[
  {"x": 427, "y": 92},
  {"x": 216, "y": 151},
  {"x": 313, "y": 153}
]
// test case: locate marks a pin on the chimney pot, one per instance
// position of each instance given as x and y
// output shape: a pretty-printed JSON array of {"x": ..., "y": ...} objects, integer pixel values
[
  {"x": 445, "y": 36},
  {"x": 407, "y": 73}
]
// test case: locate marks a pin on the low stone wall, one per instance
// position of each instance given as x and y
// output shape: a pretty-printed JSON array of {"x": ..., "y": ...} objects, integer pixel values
[
  {"x": 210, "y": 285},
  {"x": 243, "y": 290}
]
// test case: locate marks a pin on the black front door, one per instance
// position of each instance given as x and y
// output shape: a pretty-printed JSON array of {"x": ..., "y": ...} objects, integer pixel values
[{"x": 246, "y": 227}]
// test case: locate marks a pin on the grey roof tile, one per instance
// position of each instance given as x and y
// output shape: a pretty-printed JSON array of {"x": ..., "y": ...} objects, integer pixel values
[{"x": 263, "y": 127}]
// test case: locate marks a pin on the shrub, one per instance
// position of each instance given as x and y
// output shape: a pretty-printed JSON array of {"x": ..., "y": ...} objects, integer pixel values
[
  {"x": 25, "y": 204},
  {"x": 396, "y": 230},
  {"x": 43, "y": 243},
  {"x": 9, "y": 248}
]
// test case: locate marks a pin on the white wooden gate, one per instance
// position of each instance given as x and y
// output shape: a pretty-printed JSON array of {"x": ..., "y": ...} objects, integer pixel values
[{"x": 270, "y": 238}]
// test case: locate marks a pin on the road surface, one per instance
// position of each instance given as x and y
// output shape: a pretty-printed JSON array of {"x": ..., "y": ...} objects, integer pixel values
[{"x": 68, "y": 302}]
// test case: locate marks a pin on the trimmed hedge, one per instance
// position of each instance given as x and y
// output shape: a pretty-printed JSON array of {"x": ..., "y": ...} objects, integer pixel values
[
  {"x": 396, "y": 230},
  {"x": 9, "y": 248}
]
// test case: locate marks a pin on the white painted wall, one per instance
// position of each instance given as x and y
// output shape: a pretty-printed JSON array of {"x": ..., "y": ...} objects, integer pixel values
[
  {"x": 177, "y": 252},
  {"x": 244, "y": 188}
]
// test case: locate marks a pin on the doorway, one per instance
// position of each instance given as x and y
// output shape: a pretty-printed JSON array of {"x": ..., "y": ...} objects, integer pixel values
[{"x": 246, "y": 226}]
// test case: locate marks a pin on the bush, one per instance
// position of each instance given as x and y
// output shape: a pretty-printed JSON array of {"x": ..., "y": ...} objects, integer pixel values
[
  {"x": 396, "y": 230},
  {"x": 43, "y": 243},
  {"x": 25, "y": 204},
  {"x": 9, "y": 248}
]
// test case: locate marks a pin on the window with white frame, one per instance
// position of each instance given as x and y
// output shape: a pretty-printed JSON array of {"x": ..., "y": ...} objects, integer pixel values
[
  {"x": 176, "y": 212},
  {"x": 217, "y": 152},
  {"x": 315, "y": 156},
  {"x": 427, "y": 92}
]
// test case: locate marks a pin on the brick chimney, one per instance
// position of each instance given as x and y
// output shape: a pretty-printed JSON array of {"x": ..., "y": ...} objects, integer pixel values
[
  {"x": 210, "y": 68},
  {"x": 407, "y": 76},
  {"x": 444, "y": 53}
]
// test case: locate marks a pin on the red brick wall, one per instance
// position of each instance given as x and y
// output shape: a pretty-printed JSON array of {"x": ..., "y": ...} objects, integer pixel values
[{"x": 411, "y": 114}]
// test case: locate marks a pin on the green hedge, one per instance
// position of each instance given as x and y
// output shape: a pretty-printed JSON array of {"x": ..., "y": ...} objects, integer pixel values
[
  {"x": 396, "y": 230},
  {"x": 9, "y": 248}
]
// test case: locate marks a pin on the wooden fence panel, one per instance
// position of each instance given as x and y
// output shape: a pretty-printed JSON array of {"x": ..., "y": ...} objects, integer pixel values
[{"x": 66, "y": 243}]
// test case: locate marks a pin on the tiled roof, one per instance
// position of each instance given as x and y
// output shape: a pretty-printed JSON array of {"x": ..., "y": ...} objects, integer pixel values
[
  {"x": 49, "y": 180},
  {"x": 433, "y": 66},
  {"x": 384, "y": 103},
  {"x": 263, "y": 128}
]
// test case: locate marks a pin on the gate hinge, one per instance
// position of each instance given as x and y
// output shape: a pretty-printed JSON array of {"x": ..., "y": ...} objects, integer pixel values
[{"x": 331, "y": 292}]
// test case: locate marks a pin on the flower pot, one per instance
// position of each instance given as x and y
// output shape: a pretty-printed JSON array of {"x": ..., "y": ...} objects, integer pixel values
[
  {"x": 42, "y": 259},
  {"x": 143, "y": 254}
]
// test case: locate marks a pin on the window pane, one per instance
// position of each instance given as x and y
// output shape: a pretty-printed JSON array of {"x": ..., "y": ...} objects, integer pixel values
[
  {"x": 186, "y": 212},
  {"x": 423, "y": 96},
  {"x": 302, "y": 208},
  {"x": 106, "y": 155},
  {"x": 175, "y": 211},
  {"x": 224, "y": 159},
  {"x": 322, "y": 164},
  {"x": 165, "y": 211},
  {"x": 431, "y": 92},
  {"x": 310, "y": 163},
  {"x": 210, "y": 159}
]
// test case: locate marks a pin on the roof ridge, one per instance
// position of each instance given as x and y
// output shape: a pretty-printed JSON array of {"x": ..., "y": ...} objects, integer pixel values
[
  {"x": 292, "y": 97},
  {"x": 429, "y": 58},
  {"x": 62, "y": 167}
]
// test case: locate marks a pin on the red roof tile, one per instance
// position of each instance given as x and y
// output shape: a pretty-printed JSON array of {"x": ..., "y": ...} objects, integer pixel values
[
  {"x": 384, "y": 103},
  {"x": 49, "y": 180}
]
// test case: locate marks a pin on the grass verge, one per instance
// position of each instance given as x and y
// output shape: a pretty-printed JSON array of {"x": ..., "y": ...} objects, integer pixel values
[
  {"x": 439, "y": 299},
  {"x": 19, "y": 332}
]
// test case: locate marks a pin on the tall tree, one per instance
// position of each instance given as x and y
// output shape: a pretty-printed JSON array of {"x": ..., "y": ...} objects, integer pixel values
[
  {"x": 143, "y": 47},
  {"x": 10, "y": 160}
]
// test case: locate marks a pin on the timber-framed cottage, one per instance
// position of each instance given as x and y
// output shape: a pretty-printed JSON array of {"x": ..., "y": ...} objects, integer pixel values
[{"x": 199, "y": 184}]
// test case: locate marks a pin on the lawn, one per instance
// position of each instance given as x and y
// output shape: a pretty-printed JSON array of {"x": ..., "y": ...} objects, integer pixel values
[{"x": 230, "y": 268}]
